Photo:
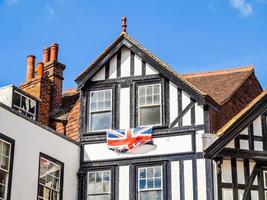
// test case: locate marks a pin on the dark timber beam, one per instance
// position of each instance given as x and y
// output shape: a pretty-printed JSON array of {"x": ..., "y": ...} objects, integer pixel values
[
  {"x": 250, "y": 182},
  {"x": 177, "y": 119}
]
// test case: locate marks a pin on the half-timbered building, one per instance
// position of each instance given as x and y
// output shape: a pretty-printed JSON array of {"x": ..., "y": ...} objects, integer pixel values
[
  {"x": 127, "y": 87},
  {"x": 204, "y": 134}
]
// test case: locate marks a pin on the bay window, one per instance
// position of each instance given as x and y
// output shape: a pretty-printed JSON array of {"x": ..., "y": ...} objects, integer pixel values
[
  {"x": 149, "y": 105},
  {"x": 100, "y": 110}
]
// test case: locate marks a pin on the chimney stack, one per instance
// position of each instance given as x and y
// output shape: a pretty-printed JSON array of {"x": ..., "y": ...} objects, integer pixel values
[
  {"x": 40, "y": 69},
  {"x": 54, "y": 52},
  {"x": 30, "y": 67},
  {"x": 46, "y": 55}
]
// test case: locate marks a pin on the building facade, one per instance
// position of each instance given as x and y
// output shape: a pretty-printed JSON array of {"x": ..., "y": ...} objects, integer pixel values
[{"x": 208, "y": 130}]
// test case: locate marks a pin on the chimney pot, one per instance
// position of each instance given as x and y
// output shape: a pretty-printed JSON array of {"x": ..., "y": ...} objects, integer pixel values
[
  {"x": 40, "y": 69},
  {"x": 54, "y": 51},
  {"x": 30, "y": 67},
  {"x": 46, "y": 55}
]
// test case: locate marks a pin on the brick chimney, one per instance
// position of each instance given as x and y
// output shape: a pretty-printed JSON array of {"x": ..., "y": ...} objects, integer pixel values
[
  {"x": 45, "y": 82},
  {"x": 39, "y": 87},
  {"x": 53, "y": 70}
]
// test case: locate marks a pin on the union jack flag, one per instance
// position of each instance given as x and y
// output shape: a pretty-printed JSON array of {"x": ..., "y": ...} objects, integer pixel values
[{"x": 124, "y": 140}]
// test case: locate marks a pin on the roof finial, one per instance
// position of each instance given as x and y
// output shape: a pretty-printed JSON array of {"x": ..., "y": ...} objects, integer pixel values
[{"x": 124, "y": 24}]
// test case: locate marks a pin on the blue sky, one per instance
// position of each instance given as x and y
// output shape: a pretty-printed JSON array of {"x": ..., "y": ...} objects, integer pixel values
[{"x": 190, "y": 35}]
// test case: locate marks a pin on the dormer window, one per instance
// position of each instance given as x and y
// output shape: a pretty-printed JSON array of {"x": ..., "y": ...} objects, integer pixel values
[
  {"x": 149, "y": 105},
  {"x": 100, "y": 111}
]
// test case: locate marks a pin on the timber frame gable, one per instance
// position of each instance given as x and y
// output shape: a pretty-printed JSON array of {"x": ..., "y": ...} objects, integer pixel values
[
  {"x": 231, "y": 131},
  {"x": 165, "y": 70}
]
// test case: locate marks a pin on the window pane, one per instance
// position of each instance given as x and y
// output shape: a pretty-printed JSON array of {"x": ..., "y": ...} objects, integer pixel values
[
  {"x": 2, "y": 191},
  {"x": 142, "y": 184},
  {"x": 149, "y": 100},
  {"x": 150, "y": 172},
  {"x": 149, "y": 195},
  {"x": 142, "y": 91},
  {"x": 157, "y": 172},
  {"x": 16, "y": 99},
  {"x": 101, "y": 96},
  {"x": 3, "y": 176},
  {"x": 150, "y": 115},
  {"x": 156, "y": 89},
  {"x": 142, "y": 173},
  {"x": 4, "y": 162},
  {"x": 150, "y": 183},
  {"x": 157, "y": 182},
  {"x": 100, "y": 121},
  {"x": 107, "y": 95},
  {"x": 6, "y": 148},
  {"x": 149, "y": 90},
  {"x": 91, "y": 177}
]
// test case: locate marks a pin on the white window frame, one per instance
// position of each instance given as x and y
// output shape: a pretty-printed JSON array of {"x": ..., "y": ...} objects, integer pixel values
[
  {"x": 58, "y": 191},
  {"x": 103, "y": 193},
  {"x": 149, "y": 189},
  {"x": 4, "y": 170},
  {"x": 99, "y": 111},
  {"x": 150, "y": 105}
]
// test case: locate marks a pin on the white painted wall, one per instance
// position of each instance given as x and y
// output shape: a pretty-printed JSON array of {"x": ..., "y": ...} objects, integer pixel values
[
  {"x": 201, "y": 179},
  {"x": 6, "y": 94},
  {"x": 188, "y": 179},
  {"x": 240, "y": 172},
  {"x": 226, "y": 171},
  {"x": 257, "y": 126},
  {"x": 30, "y": 140},
  {"x": 175, "y": 180},
  {"x": 124, "y": 108},
  {"x": 100, "y": 76},
  {"x": 137, "y": 65},
  {"x": 113, "y": 67},
  {"x": 199, "y": 113},
  {"x": 150, "y": 70},
  {"x": 124, "y": 182},
  {"x": 164, "y": 145},
  {"x": 173, "y": 102},
  {"x": 185, "y": 101},
  {"x": 125, "y": 62}
]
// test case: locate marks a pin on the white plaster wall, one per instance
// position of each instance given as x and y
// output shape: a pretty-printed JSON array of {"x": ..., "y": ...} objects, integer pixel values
[
  {"x": 231, "y": 144},
  {"x": 244, "y": 144},
  {"x": 258, "y": 146},
  {"x": 6, "y": 95},
  {"x": 201, "y": 179},
  {"x": 254, "y": 195},
  {"x": 124, "y": 182},
  {"x": 185, "y": 101},
  {"x": 113, "y": 67},
  {"x": 257, "y": 126},
  {"x": 226, "y": 171},
  {"x": 164, "y": 145},
  {"x": 199, "y": 113},
  {"x": 150, "y": 70},
  {"x": 227, "y": 194},
  {"x": 175, "y": 180},
  {"x": 125, "y": 62},
  {"x": 244, "y": 132},
  {"x": 188, "y": 179},
  {"x": 100, "y": 76},
  {"x": 240, "y": 172},
  {"x": 124, "y": 108},
  {"x": 30, "y": 140},
  {"x": 199, "y": 143},
  {"x": 251, "y": 167},
  {"x": 137, "y": 65},
  {"x": 173, "y": 102},
  {"x": 240, "y": 194}
]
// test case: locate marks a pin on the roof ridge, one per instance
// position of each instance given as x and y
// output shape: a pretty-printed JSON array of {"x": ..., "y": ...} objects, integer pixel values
[{"x": 219, "y": 71}]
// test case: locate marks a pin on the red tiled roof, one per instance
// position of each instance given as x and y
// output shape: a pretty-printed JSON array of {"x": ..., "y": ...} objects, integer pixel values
[{"x": 219, "y": 84}]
